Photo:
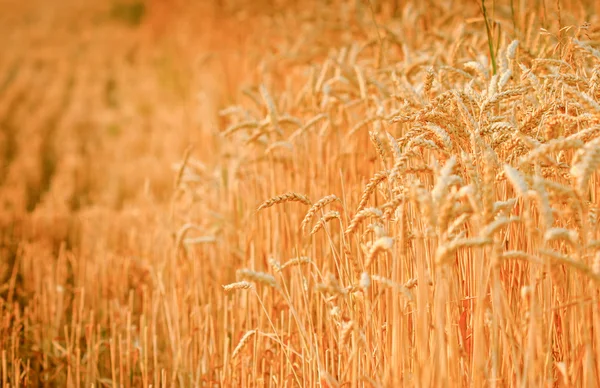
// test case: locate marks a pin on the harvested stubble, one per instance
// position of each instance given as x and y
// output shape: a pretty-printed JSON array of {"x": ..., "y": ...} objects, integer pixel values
[{"x": 479, "y": 263}]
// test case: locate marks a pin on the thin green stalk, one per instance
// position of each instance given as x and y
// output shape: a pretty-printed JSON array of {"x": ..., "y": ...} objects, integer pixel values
[{"x": 489, "y": 36}]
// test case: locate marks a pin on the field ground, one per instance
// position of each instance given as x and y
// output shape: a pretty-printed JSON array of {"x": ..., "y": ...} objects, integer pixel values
[{"x": 333, "y": 193}]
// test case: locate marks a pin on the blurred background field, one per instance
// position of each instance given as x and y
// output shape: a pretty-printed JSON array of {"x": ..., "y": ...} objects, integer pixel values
[{"x": 138, "y": 139}]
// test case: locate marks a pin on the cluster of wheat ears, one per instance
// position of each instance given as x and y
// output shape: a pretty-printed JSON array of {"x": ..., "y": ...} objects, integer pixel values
[
  {"x": 392, "y": 199},
  {"x": 471, "y": 252}
]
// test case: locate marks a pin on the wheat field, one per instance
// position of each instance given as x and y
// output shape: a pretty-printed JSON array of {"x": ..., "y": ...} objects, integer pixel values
[{"x": 343, "y": 193}]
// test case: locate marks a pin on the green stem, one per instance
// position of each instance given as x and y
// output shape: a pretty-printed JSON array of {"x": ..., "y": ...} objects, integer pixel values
[{"x": 489, "y": 35}]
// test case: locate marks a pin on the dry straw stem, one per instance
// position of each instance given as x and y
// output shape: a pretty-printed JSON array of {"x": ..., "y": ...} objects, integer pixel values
[
  {"x": 287, "y": 197},
  {"x": 316, "y": 207}
]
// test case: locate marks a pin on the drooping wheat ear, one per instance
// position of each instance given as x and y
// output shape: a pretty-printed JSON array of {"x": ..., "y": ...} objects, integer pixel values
[
  {"x": 257, "y": 277},
  {"x": 287, "y": 197},
  {"x": 307, "y": 126},
  {"x": 570, "y": 236},
  {"x": 504, "y": 205},
  {"x": 316, "y": 207},
  {"x": 445, "y": 251},
  {"x": 477, "y": 67},
  {"x": 574, "y": 264},
  {"x": 240, "y": 346},
  {"x": 516, "y": 179},
  {"x": 371, "y": 186},
  {"x": 520, "y": 255},
  {"x": 587, "y": 164},
  {"x": 360, "y": 216},
  {"x": 549, "y": 147},
  {"x": 295, "y": 261},
  {"x": 243, "y": 125},
  {"x": 278, "y": 144},
  {"x": 499, "y": 97},
  {"x": 420, "y": 141},
  {"x": 382, "y": 244},
  {"x": 490, "y": 229},
  {"x": 325, "y": 219},
  {"x": 243, "y": 285}
]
